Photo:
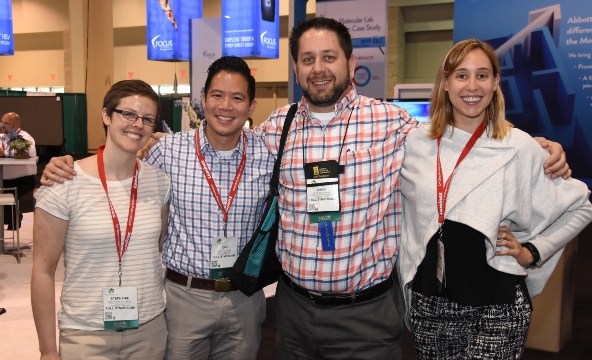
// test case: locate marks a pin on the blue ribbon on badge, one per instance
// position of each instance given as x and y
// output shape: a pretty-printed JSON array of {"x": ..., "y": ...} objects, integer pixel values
[{"x": 327, "y": 238}]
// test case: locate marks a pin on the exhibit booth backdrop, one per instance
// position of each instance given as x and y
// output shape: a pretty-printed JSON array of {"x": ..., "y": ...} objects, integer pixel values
[{"x": 545, "y": 48}]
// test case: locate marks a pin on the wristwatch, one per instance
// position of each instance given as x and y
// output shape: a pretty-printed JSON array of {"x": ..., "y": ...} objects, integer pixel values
[{"x": 534, "y": 251}]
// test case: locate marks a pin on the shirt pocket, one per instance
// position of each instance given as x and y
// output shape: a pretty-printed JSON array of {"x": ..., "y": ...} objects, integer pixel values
[{"x": 364, "y": 169}]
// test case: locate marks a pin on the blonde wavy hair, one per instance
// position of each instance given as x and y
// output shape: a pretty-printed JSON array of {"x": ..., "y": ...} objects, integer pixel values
[{"x": 441, "y": 107}]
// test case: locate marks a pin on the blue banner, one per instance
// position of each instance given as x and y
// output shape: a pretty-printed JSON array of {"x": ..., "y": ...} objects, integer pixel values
[
  {"x": 545, "y": 48},
  {"x": 369, "y": 42},
  {"x": 250, "y": 28},
  {"x": 6, "y": 34},
  {"x": 167, "y": 28}
]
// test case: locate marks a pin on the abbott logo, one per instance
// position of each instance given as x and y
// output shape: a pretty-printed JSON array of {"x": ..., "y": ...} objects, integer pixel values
[
  {"x": 268, "y": 42},
  {"x": 209, "y": 55},
  {"x": 162, "y": 45}
]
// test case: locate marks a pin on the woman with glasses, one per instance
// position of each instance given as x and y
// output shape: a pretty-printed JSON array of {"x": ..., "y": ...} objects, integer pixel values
[
  {"x": 109, "y": 221},
  {"x": 469, "y": 281}
]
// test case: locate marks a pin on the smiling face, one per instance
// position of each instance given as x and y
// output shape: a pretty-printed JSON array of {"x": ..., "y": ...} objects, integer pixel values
[
  {"x": 130, "y": 136},
  {"x": 226, "y": 109},
  {"x": 322, "y": 69},
  {"x": 470, "y": 89}
]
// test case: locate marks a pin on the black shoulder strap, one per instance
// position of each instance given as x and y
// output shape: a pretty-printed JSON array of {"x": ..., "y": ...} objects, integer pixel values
[{"x": 273, "y": 184}]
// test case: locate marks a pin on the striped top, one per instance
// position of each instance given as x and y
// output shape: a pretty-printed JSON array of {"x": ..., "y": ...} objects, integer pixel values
[
  {"x": 90, "y": 253},
  {"x": 367, "y": 236}
]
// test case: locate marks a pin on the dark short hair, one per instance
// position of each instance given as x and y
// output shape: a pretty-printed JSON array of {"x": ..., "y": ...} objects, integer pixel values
[
  {"x": 125, "y": 88},
  {"x": 232, "y": 65},
  {"x": 320, "y": 23}
]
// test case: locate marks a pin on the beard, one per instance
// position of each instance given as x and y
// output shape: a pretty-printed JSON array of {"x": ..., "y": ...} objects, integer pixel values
[{"x": 329, "y": 98}]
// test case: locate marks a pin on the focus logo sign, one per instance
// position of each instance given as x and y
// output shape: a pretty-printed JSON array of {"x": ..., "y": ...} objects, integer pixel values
[
  {"x": 209, "y": 55},
  {"x": 161, "y": 45},
  {"x": 268, "y": 42}
]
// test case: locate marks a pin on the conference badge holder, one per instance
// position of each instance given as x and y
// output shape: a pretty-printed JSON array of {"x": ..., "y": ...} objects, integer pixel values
[
  {"x": 223, "y": 256},
  {"x": 120, "y": 307},
  {"x": 322, "y": 198}
]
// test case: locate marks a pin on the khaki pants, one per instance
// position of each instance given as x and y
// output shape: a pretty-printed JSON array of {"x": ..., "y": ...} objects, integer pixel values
[
  {"x": 204, "y": 324},
  {"x": 146, "y": 342}
]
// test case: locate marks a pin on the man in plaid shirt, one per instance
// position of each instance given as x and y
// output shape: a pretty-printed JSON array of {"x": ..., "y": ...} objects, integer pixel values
[{"x": 337, "y": 298}]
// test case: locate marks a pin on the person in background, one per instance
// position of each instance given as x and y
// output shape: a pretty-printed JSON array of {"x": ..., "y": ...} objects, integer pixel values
[
  {"x": 20, "y": 176},
  {"x": 469, "y": 282},
  {"x": 108, "y": 221}
]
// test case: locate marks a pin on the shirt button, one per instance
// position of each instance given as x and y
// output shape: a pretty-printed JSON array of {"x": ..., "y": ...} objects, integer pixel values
[
  {"x": 318, "y": 248},
  {"x": 316, "y": 277}
]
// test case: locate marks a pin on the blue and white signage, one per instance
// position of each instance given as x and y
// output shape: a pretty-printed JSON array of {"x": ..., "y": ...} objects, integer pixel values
[
  {"x": 167, "y": 30},
  {"x": 367, "y": 23},
  {"x": 250, "y": 28},
  {"x": 545, "y": 47},
  {"x": 6, "y": 34}
]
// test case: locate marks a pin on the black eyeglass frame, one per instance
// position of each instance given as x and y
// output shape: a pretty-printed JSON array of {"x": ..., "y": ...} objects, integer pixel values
[{"x": 148, "y": 121}]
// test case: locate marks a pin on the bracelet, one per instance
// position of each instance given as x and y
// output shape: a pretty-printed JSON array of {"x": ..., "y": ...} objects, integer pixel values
[{"x": 534, "y": 251}]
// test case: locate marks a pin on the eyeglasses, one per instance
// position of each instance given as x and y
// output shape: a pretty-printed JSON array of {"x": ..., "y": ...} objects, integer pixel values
[{"x": 128, "y": 115}]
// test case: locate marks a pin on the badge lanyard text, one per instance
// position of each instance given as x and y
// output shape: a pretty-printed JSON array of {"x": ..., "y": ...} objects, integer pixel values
[{"x": 212, "y": 184}]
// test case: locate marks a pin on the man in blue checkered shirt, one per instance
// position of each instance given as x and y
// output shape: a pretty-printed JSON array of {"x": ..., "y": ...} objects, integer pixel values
[{"x": 203, "y": 317}]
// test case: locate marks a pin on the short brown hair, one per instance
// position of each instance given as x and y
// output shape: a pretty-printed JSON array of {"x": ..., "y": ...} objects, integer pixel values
[
  {"x": 441, "y": 108},
  {"x": 320, "y": 23},
  {"x": 125, "y": 88}
]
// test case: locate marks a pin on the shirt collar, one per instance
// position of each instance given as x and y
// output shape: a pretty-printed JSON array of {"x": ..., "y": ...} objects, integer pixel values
[
  {"x": 340, "y": 106},
  {"x": 207, "y": 147}
]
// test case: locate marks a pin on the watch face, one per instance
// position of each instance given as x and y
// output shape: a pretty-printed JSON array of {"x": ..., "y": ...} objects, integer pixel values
[{"x": 268, "y": 10}]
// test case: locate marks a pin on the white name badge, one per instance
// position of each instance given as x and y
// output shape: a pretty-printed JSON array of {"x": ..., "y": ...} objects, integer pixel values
[
  {"x": 223, "y": 256},
  {"x": 322, "y": 195},
  {"x": 120, "y": 307}
]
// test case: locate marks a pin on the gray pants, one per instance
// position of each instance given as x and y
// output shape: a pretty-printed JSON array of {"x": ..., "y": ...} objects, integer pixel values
[
  {"x": 368, "y": 330},
  {"x": 204, "y": 324}
]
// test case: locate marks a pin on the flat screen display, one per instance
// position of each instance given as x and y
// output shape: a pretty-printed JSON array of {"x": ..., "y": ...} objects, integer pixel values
[{"x": 419, "y": 109}]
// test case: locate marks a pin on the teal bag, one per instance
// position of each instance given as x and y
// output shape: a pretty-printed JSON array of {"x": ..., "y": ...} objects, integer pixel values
[{"x": 257, "y": 265}]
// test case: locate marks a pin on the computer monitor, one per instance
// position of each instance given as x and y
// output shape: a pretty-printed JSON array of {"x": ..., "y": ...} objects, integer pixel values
[{"x": 419, "y": 109}]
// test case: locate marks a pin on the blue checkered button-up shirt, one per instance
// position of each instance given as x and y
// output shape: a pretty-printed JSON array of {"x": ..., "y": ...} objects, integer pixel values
[{"x": 194, "y": 216}]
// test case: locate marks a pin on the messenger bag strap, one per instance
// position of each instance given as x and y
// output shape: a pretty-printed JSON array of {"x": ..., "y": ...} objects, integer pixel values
[{"x": 273, "y": 184}]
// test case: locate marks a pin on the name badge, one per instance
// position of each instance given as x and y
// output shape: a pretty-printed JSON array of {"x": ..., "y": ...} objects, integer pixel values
[
  {"x": 120, "y": 307},
  {"x": 322, "y": 186},
  {"x": 223, "y": 256}
]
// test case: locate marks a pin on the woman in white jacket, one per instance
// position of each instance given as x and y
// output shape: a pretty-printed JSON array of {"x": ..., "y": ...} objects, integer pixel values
[{"x": 468, "y": 282}]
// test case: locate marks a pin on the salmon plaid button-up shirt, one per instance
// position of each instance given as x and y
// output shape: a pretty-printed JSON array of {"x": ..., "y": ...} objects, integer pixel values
[{"x": 367, "y": 236}]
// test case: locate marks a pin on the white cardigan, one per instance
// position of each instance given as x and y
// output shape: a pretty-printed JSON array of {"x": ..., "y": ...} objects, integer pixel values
[{"x": 498, "y": 183}]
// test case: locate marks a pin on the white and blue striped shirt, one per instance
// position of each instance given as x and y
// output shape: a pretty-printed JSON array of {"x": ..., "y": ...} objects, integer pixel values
[{"x": 194, "y": 216}]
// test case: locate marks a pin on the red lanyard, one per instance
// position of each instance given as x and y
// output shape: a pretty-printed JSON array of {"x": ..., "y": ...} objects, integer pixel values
[
  {"x": 212, "y": 184},
  {"x": 442, "y": 190},
  {"x": 132, "y": 208}
]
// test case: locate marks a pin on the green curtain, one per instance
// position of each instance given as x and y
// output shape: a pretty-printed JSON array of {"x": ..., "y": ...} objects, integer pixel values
[
  {"x": 75, "y": 123},
  {"x": 177, "y": 114},
  {"x": 12, "y": 93}
]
